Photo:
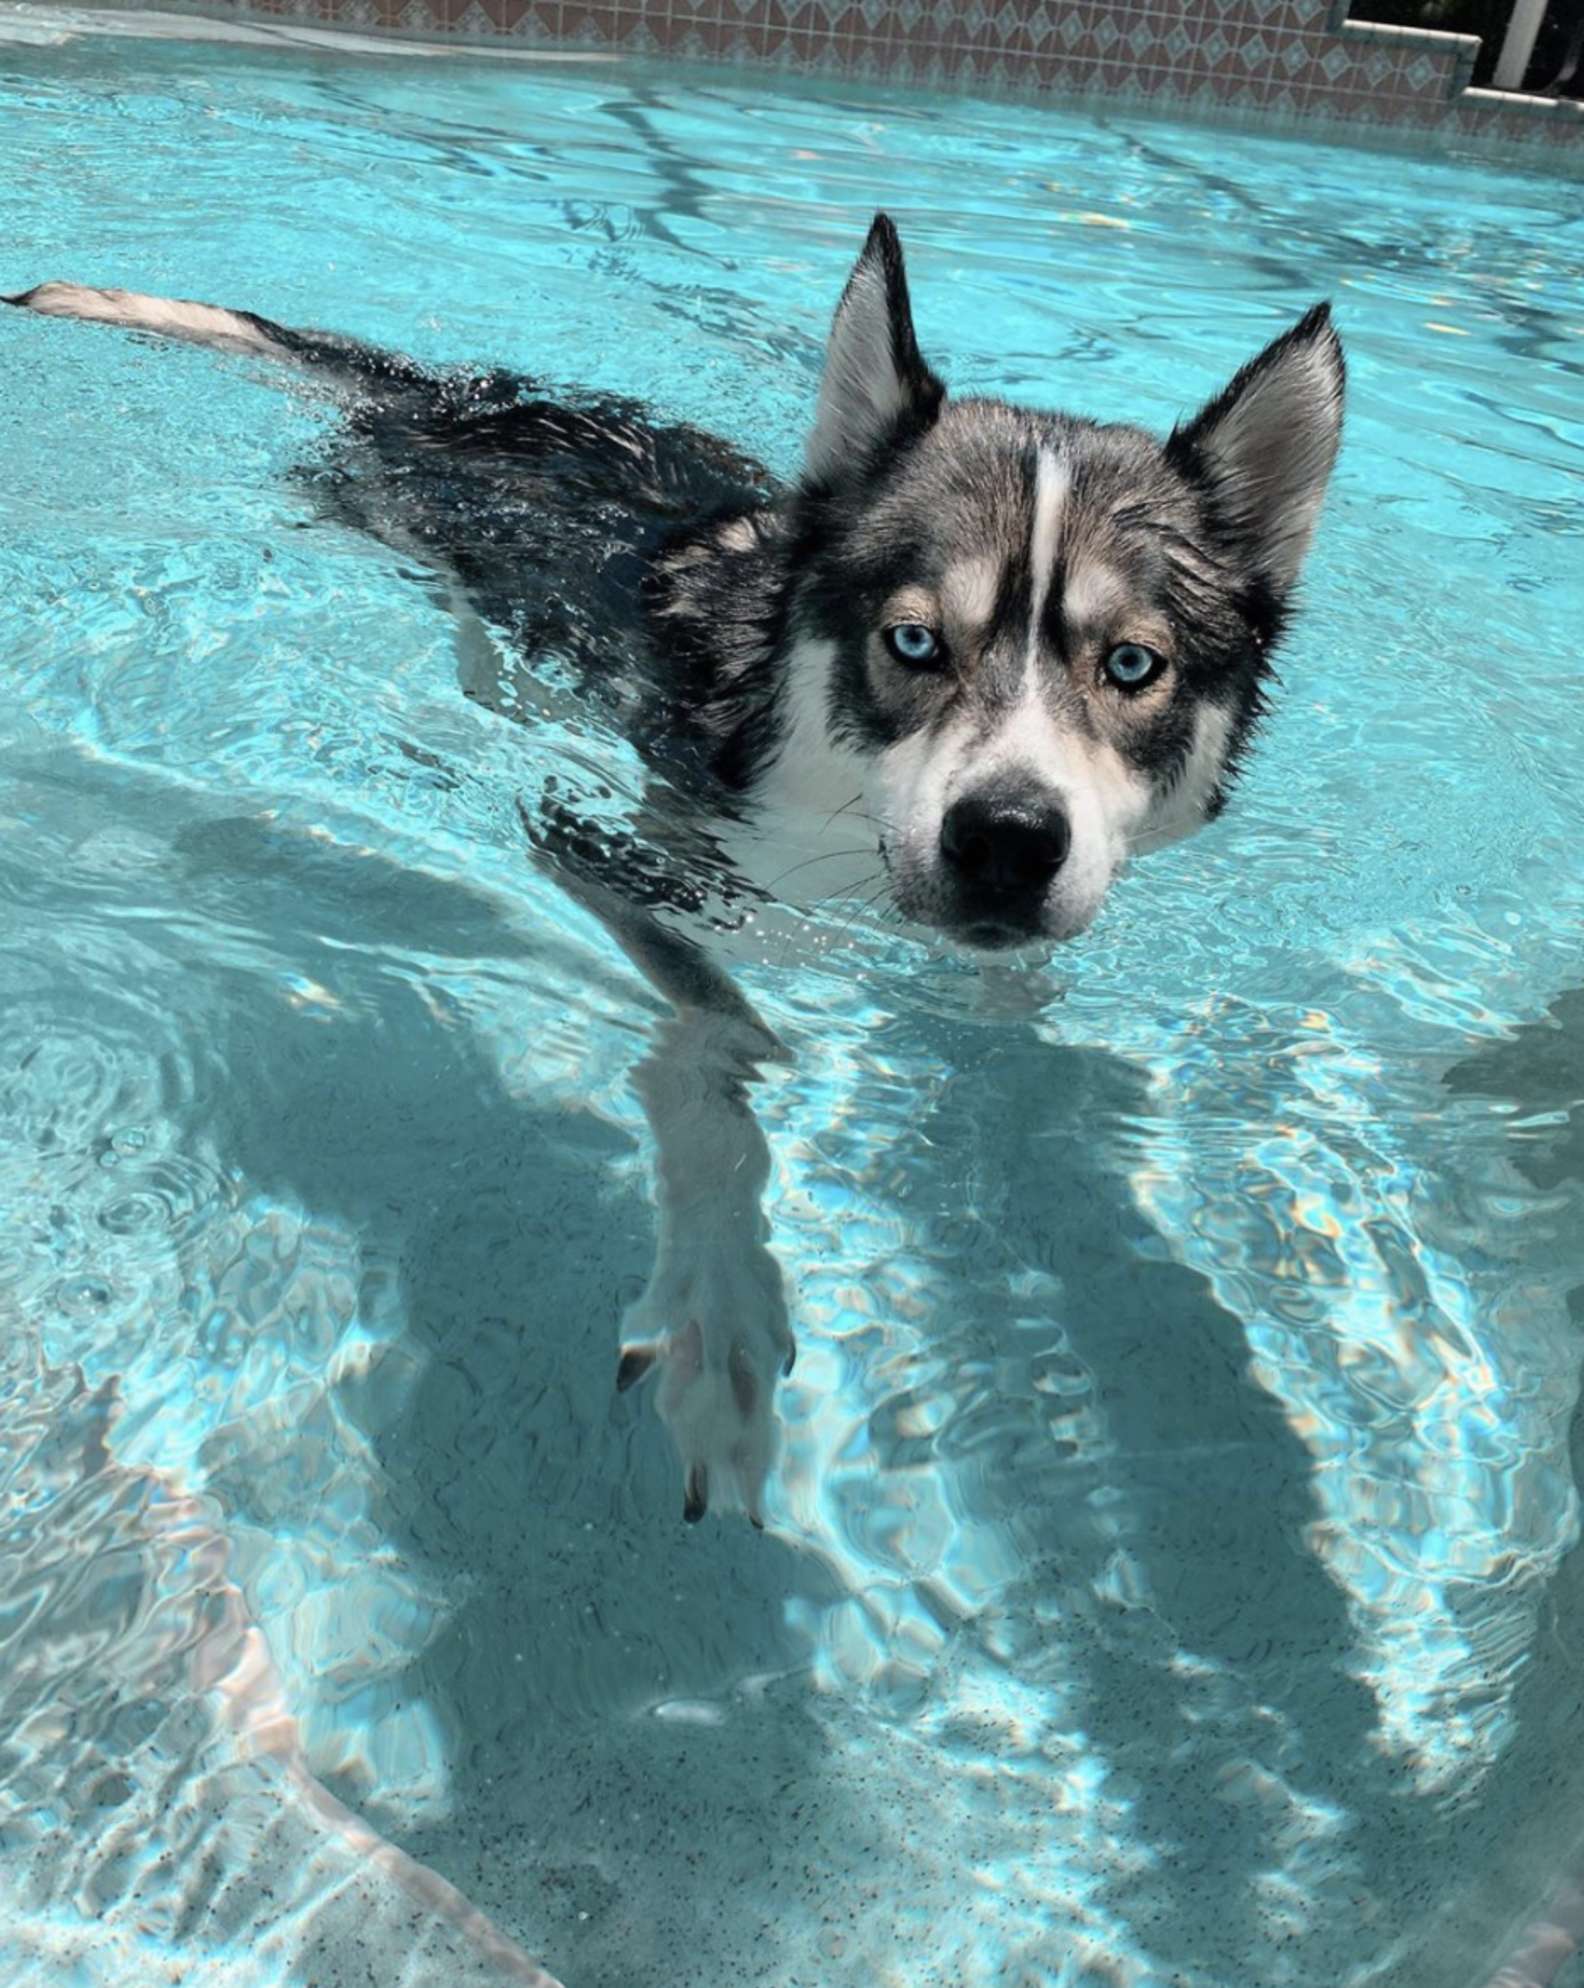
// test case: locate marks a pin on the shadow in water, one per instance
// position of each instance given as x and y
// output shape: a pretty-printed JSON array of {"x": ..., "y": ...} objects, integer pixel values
[
  {"x": 1522, "y": 1917},
  {"x": 1163, "y": 1634},
  {"x": 1183, "y": 1646},
  {"x": 1119, "y": 1728},
  {"x": 603, "y": 1669},
  {"x": 641, "y": 1781},
  {"x": 369, "y": 1052}
]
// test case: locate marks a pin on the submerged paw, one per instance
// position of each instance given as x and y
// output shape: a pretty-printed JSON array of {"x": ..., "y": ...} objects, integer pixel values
[{"x": 716, "y": 1396}]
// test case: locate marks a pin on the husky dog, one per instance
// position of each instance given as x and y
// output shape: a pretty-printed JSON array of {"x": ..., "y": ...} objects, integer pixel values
[{"x": 977, "y": 654}]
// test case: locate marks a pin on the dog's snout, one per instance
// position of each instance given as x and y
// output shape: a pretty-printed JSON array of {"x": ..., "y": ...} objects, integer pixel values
[{"x": 1007, "y": 843}]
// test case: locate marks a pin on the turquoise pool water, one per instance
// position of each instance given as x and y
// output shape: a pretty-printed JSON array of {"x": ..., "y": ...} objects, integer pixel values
[{"x": 1172, "y": 1575}]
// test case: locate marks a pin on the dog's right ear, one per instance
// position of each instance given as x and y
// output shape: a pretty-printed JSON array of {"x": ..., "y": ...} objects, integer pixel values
[{"x": 876, "y": 386}]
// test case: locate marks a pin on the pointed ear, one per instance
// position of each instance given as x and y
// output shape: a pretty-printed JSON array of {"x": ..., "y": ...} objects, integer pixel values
[
  {"x": 875, "y": 383},
  {"x": 1266, "y": 444}
]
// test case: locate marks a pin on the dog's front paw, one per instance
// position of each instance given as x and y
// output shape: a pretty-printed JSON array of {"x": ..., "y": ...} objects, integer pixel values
[{"x": 712, "y": 1327}]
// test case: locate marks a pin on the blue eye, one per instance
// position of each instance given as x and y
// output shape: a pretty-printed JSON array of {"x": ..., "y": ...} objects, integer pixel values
[
  {"x": 913, "y": 644},
  {"x": 1130, "y": 666}
]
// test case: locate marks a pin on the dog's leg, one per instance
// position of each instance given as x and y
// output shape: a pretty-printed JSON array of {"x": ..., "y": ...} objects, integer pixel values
[
  {"x": 712, "y": 1324},
  {"x": 713, "y": 1320}
]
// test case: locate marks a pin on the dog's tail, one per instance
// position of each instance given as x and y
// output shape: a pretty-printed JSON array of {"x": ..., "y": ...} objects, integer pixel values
[{"x": 349, "y": 360}]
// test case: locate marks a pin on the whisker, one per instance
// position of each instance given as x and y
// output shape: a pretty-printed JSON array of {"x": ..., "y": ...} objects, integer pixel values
[
  {"x": 844, "y": 807},
  {"x": 875, "y": 884},
  {"x": 829, "y": 856},
  {"x": 847, "y": 808},
  {"x": 833, "y": 896},
  {"x": 864, "y": 906}
]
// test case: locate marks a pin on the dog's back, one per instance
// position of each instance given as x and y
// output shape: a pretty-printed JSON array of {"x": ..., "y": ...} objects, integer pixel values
[{"x": 551, "y": 511}]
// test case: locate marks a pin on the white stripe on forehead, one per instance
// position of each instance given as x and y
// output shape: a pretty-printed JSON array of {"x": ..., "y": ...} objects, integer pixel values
[
  {"x": 1028, "y": 734},
  {"x": 1052, "y": 481}
]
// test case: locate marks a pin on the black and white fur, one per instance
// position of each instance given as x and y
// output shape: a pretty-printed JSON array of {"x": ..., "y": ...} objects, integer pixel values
[{"x": 763, "y": 648}]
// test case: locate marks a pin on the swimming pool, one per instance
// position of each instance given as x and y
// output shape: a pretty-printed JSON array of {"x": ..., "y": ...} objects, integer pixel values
[{"x": 1171, "y": 1574}]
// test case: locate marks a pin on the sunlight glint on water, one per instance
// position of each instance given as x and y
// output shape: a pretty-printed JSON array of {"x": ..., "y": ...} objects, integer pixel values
[{"x": 1169, "y": 1577}]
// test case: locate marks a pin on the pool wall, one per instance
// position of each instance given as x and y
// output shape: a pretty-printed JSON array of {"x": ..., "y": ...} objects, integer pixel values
[{"x": 1296, "y": 64}]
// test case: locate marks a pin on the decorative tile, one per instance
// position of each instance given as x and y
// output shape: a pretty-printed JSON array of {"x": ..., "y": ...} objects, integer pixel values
[{"x": 1288, "y": 62}]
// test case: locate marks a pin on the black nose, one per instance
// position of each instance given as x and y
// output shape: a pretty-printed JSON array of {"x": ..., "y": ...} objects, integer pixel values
[{"x": 1008, "y": 843}]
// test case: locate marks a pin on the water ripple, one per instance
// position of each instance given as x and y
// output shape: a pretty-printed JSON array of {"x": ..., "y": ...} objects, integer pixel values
[{"x": 1169, "y": 1576}]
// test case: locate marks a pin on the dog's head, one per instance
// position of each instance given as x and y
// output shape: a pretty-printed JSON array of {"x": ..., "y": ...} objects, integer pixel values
[{"x": 1041, "y": 640}]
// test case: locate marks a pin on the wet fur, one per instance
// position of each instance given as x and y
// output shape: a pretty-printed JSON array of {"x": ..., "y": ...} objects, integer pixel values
[{"x": 734, "y": 629}]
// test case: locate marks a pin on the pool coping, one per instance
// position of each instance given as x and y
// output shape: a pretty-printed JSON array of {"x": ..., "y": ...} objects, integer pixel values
[{"x": 1292, "y": 67}]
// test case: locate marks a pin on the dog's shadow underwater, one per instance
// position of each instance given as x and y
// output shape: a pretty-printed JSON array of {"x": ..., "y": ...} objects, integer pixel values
[
  {"x": 596, "y": 1653},
  {"x": 631, "y": 1709}
]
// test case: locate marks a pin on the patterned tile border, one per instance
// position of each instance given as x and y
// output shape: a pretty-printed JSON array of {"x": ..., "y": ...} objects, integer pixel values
[{"x": 1299, "y": 65}]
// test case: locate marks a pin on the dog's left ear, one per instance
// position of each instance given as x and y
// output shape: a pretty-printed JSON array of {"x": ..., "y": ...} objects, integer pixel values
[
  {"x": 877, "y": 387},
  {"x": 1266, "y": 444}
]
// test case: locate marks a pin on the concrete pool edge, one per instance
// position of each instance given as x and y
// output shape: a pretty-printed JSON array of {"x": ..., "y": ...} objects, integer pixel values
[{"x": 1330, "y": 78}]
